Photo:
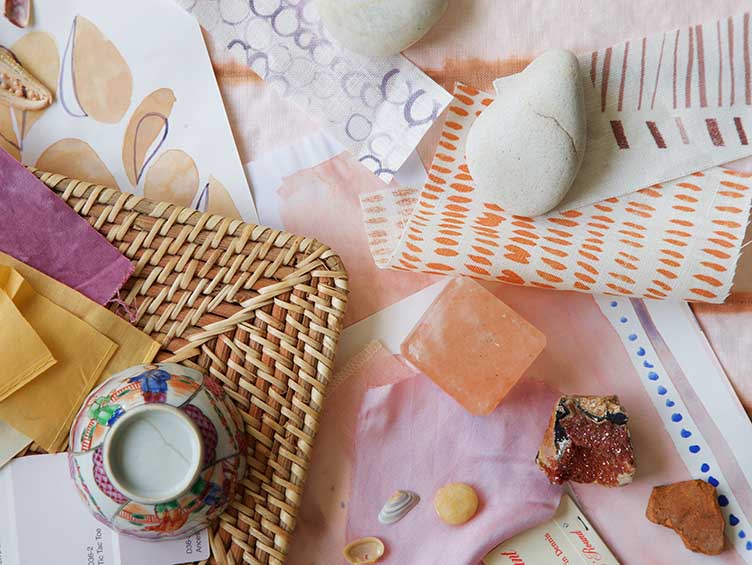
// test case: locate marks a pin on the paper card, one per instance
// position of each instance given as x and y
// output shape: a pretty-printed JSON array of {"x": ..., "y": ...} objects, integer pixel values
[
  {"x": 137, "y": 106},
  {"x": 43, "y": 520},
  {"x": 568, "y": 537}
]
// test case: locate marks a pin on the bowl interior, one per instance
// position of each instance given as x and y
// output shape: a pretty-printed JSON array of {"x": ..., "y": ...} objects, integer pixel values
[{"x": 153, "y": 453}]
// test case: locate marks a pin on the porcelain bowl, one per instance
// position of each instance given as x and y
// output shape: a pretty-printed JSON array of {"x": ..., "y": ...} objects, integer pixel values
[{"x": 157, "y": 451}]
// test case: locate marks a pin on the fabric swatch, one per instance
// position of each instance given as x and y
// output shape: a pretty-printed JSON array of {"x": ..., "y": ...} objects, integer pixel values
[
  {"x": 320, "y": 529},
  {"x": 43, "y": 408},
  {"x": 663, "y": 107},
  {"x": 412, "y": 436},
  {"x": 678, "y": 240},
  {"x": 377, "y": 107},
  {"x": 23, "y": 352},
  {"x": 133, "y": 346},
  {"x": 41, "y": 230}
]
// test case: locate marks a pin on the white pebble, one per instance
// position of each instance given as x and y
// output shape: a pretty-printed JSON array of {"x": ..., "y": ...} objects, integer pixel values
[
  {"x": 525, "y": 149},
  {"x": 379, "y": 27}
]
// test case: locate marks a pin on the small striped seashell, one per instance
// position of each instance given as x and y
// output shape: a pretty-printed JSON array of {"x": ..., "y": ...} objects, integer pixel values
[
  {"x": 397, "y": 507},
  {"x": 364, "y": 550}
]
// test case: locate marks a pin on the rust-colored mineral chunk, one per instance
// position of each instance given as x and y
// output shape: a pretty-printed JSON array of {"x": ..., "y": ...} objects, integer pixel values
[
  {"x": 691, "y": 509},
  {"x": 587, "y": 441}
]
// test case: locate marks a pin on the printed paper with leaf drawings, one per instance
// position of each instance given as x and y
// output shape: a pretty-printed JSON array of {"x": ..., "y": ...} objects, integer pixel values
[
  {"x": 136, "y": 104},
  {"x": 679, "y": 240}
]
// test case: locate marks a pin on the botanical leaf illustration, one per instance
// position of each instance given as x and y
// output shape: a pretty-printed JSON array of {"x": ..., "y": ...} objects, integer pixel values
[
  {"x": 37, "y": 52},
  {"x": 215, "y": 199},
  {"x": 95, "y": 79},
  {"x": 76, "y": 159},
  {"x": 149, "y": 122},
  {"x": 8, "y": 138},
  {"x": 172, "y": 178}
]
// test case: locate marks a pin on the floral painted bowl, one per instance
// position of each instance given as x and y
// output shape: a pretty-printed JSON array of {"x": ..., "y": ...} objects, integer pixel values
[{"x": 157, "y": 451}]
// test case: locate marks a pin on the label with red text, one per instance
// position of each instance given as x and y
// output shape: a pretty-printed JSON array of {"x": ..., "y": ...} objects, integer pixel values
[{"x": 568, "y": 537}]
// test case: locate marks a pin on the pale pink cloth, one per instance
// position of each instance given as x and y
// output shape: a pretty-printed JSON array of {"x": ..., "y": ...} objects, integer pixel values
[
  {"x": 320, "y": 530},
  {"x": 413, "y": 436}
]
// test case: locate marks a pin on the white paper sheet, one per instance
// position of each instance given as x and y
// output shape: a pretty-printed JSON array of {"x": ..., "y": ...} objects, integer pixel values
[
  {"x": 693, "y": 353},
  {"x": 267, "y": 173},
  {"x": 11, "y": 443},
  {"x": 104, "y": 59},
  {"x": 43, "y": 520}
]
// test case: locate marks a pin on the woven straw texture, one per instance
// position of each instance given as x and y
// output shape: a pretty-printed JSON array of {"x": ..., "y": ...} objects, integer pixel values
[{"x": 259, "y": 309}]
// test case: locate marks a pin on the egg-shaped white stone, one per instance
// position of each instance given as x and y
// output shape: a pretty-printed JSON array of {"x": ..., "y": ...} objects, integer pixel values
[
  {"x": 379, "y": 27},
  {"x": 525, "y": 149}
]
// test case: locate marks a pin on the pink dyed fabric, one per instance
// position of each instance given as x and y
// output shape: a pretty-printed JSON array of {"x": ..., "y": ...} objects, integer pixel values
[
  {"x": 41, "y": 230},
  {"x": 320, "y": 530},
  {"x": 413, "y": 436}
]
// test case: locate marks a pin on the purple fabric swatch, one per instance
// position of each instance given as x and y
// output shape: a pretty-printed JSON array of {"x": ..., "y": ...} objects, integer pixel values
[{"x": 40, "y": 229}]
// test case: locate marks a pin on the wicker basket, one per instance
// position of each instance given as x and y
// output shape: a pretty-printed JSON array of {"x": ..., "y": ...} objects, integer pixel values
[{"x": 259, "y": 309}]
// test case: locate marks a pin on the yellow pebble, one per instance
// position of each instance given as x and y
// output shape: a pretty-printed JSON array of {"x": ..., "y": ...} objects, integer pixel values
[{"x": 455, "y": 503}]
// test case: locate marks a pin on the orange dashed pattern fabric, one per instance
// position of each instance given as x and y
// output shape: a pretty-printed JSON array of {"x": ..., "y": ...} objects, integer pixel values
[{"x": 679, "y": 240}]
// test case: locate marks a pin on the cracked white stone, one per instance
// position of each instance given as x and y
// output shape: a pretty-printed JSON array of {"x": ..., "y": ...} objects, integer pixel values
[
  {"x": 525, "y": 149},
  {"x": 379, "y": 27}
]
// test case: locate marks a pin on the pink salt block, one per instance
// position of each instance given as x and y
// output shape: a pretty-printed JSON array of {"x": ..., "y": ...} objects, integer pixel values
[{"x": 472, "y": 345}]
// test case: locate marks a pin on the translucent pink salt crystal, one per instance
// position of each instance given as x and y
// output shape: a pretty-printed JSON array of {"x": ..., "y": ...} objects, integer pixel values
[{"x": 472, "y": 345}]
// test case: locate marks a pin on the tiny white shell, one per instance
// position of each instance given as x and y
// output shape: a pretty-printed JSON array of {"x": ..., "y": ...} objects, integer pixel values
[
  {"x": 364, "y": 550},
  {"x": 397, "y": 507}
]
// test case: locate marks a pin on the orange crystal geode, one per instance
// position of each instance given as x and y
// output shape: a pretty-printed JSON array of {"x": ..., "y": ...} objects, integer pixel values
[{"x": 472, "y": 345}]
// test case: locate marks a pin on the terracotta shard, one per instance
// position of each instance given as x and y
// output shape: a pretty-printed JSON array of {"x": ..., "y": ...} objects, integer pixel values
[
  {"x": 172, "y": 178},
  {"x": 588, "y": 441},
  {"x": 18, "y": 88},
  {"x": 691, "y": 509},
  {"x": 76, "y": 159},
  {"x": 148, "y": 124},
  {"x": 18, "y": 12}
]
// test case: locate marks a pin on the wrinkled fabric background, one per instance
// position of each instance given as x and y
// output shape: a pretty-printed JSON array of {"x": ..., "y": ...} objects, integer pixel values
[{"x": 476, "y": 42}]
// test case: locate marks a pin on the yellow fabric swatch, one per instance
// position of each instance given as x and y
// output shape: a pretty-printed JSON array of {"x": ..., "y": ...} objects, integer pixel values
[
  {"x": 24, "y": 355},
  {"x": 42, "y": 408},
  {"x": 134, "y": 346}
]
